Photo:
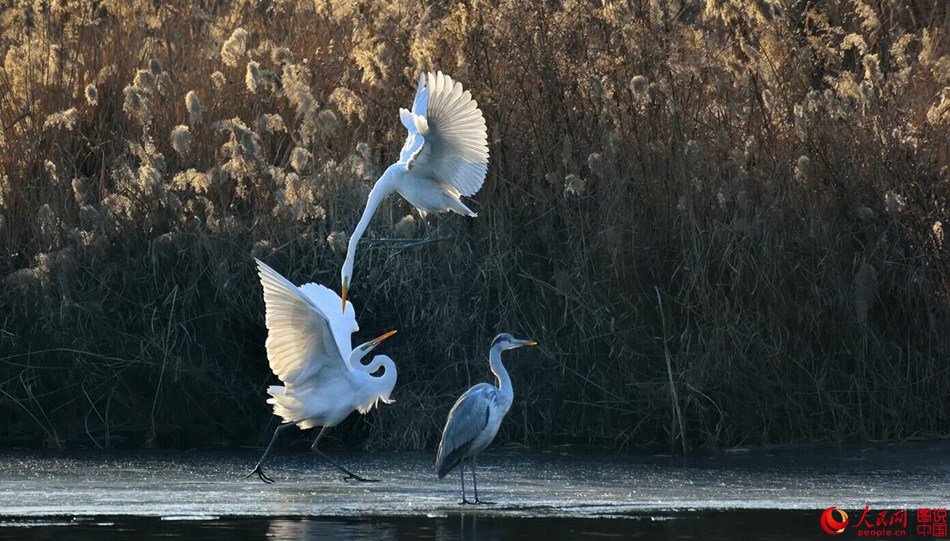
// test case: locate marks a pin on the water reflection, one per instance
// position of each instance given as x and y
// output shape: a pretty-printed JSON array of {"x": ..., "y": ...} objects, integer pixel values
[
  {"x": 447, "y": 528},
  {"x": 347, "y": 530},
  {"x": 462, "y": 526}
]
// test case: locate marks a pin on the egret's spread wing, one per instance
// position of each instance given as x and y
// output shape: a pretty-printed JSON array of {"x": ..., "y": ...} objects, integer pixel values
[
  {"x": 467, "y": 419},
  {"x": 421, "y": 101},
  {"x": 415, "y": 139},
  {"x": 300, "y": 343},
  {"x": 447, "y": 139},
  {"x": 342, "y": 324}
]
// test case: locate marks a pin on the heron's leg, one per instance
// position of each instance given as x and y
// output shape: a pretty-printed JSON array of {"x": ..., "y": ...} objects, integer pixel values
[
  {"x": 349, "y": 475},
  {"x": 474, "y": 481},
  {"x": 475, "y": 485},
  {"x": 462, "y": 480},
  {"x": 257, "y": 469}
]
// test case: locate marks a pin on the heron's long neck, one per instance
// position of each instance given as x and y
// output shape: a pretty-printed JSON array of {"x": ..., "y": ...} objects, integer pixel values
[
  {"x": 504, "y": 382},
  {"x": 383, "y": 187}
]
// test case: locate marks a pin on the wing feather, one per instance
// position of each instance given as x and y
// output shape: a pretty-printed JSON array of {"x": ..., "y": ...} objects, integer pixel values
[
  {"x": 300, "y": 343},
  {"x": 344, "y": 325},
  {"x": 467, "y": 419},
  {"x": 448, "y": 139},
  {"x": 422, "y": 96}
]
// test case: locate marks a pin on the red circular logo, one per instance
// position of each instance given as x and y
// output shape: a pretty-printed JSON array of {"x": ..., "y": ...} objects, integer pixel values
[{"x": 832, "y": 525}]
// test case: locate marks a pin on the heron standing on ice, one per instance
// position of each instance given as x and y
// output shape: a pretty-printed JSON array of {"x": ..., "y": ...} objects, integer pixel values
[{"x": 476, "y": 416}]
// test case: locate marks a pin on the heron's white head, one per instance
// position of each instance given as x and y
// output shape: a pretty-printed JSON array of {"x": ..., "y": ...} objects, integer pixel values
[{"x": 505, "y": 341}]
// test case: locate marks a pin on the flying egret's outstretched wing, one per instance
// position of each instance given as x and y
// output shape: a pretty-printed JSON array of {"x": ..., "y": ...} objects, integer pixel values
[
  {"x": 447, "y": 140},
  {"x": 467, "y": 419},
  {"x": 300, "y": 343}
]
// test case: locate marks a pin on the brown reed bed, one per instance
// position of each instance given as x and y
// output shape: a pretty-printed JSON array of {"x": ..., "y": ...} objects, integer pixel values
[{"x": 723, "y": 221}]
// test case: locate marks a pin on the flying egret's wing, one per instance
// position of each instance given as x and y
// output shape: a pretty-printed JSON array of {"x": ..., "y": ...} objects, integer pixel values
[
  {"x": 415, "y": 139},
  {"x": 421, "y": 101},
  {"x": 447, "y": 139},
  {"x": 342, "y": 325},
  {"x": 467, "y": 419},
  {"x": 300, "y": 343}
]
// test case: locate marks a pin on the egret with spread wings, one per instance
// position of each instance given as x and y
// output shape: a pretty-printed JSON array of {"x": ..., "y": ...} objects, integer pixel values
[
  {"x": 476, "y": 416},
  {"x": 308, "y": 348},
  {"x": 445, "y": 156}
]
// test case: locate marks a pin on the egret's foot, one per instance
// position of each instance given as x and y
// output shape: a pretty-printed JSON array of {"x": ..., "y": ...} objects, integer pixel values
[
  {"x": 353, "y": 477},
  {"x": 260, "y": 473}
]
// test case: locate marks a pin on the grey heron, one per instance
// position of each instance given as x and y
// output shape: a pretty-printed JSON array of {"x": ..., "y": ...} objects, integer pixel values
[
  {"x": 308, "y": 348},
  {"x": 445, "y": 156},
  {"x": 474, "y": 419}
]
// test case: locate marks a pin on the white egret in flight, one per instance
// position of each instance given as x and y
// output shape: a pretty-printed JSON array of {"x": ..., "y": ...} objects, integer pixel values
[
  {"x": 308, "y": 348},
  {"x": 476, "y": 416},
  {"x": 444, "y": 157}
]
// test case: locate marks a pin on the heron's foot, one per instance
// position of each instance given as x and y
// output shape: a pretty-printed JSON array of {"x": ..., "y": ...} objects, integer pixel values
[
  {"x": 466, "y": 502},
  {"x": 353, "y": 477},
  {"x": 483, "y": 502},
  {"x": 260, "y": 473}
]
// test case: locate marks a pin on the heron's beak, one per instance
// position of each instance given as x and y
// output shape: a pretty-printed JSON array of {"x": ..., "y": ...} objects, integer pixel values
[
  {"x": 377, "y": 341},
  {"x": 343, "y": 289},
  {"x": 527, "y": 343}
]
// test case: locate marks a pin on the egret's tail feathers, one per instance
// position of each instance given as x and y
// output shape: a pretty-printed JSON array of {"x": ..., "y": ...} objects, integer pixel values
[
  {"x": 464, "y": 210},
  {"x": 288, "y": 408}
]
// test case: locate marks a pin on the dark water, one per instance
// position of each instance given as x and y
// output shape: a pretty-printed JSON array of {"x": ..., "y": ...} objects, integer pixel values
[
  {"x": 706, "y": 525},
  {"x": 765, "y": 493}
]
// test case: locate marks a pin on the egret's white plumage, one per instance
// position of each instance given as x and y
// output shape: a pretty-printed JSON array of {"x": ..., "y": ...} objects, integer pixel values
[
  {"x": 308, "y": 348},
  {"x": 476, "y": 416},
  {"x": 445, "y": 156}
]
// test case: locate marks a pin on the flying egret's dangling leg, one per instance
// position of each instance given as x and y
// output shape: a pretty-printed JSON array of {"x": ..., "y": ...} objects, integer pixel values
[
  {"x": 349, "y": 475},
  {"x": 257, "y": 469}
]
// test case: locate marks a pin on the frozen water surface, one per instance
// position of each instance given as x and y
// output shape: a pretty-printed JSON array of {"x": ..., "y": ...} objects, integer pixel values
[{"x": 557, "y": 493}]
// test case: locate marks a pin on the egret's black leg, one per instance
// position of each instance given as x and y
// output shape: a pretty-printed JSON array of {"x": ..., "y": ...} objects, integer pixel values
[
  {"x": 257, "y": 469},
  {"x": 349, "y": 475}
]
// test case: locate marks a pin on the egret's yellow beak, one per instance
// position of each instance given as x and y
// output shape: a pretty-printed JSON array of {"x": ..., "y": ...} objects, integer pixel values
[{"x": 377, "y": 341}]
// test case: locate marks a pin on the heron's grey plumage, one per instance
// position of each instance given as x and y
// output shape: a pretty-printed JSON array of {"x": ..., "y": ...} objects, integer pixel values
[
  {"x": 476, "y": 416},
  {"x": 468, "y": 418}
]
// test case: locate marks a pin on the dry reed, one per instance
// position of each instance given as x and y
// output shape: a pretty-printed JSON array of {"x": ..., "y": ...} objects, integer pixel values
[{"x": 723, "y": 221}]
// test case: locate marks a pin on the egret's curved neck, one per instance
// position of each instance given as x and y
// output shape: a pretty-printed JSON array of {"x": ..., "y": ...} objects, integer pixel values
[
  {"x": 380, "y": 361},
  {"x": 356, "y": 358},
  {"x": 356, "y": 362},
  {"x": 383, "y": 187},
  {"x": 497, "y": 368},
  {"x": 383, "y": 384}
]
